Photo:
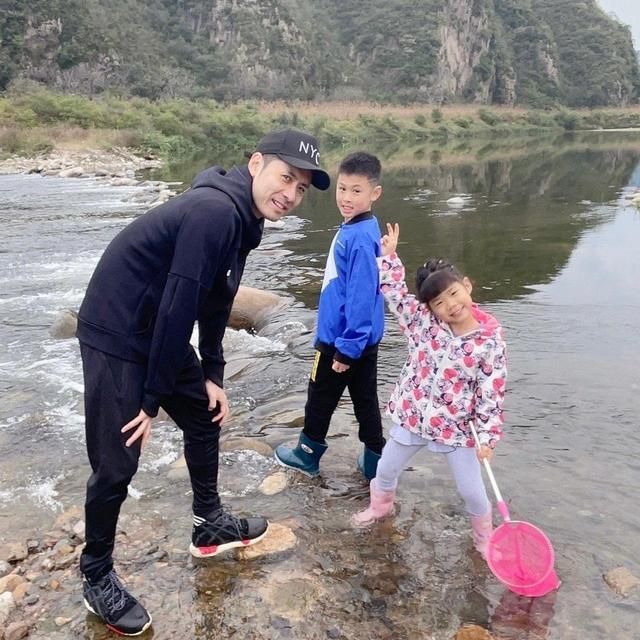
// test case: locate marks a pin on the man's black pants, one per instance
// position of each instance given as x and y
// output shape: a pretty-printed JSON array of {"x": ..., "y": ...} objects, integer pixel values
[
  {"x": 326, "y": 388},
  {"x": 113, "y": 396}
]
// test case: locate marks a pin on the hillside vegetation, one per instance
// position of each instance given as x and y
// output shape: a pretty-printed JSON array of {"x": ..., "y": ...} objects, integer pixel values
[{"x": 538, "y": 53}]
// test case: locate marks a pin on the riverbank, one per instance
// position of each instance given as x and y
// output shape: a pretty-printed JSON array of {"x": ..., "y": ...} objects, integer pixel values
[{"x": 41, "y": 121}]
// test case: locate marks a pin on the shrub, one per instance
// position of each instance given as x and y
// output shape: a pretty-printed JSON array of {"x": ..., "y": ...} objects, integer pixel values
[
  {"x": 488, "y": 117},
  {"x": 436, "y": 115}
]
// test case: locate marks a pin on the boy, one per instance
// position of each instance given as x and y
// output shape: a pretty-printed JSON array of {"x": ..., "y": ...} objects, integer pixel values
[{"x": 350, "y": 325}]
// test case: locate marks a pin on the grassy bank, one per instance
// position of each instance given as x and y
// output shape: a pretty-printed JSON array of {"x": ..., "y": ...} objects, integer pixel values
[{"x": 42, "y": 121}]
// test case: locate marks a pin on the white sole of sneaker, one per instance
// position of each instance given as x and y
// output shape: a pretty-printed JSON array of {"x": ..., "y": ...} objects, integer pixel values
[
  {"x": 197, "y": 552},
  {"x": 121, "y": 633},
  {"x": 286, "y": 466}
]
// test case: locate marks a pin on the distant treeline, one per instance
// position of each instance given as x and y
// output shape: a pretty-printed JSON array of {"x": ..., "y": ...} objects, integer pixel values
[{"x": 36, "y": 122}]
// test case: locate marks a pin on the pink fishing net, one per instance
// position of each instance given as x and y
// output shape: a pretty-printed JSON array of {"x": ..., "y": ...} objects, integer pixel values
[{"x": 521, "y": 556}]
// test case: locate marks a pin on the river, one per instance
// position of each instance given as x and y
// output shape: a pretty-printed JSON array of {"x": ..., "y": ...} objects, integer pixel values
[{"x": 552, "y": 246}]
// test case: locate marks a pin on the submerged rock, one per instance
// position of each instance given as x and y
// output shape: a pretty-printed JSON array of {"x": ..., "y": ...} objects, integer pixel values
[
  {"x": 273, "y": 484},
  {"x": 252, "y": 444},
  {"x": 621, "y": 580},
  {"x": 279, "y": 538},
  {"x": 473, "y": 632}
]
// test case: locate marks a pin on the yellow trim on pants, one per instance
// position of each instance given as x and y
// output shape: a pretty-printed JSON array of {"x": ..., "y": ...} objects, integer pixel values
[{"x": 314, "y": 368}]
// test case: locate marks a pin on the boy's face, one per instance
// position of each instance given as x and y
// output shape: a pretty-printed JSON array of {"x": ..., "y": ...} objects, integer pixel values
[{"x": 355, "y": 194}]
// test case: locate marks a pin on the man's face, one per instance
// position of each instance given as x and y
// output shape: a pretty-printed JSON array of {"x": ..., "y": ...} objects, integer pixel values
[{"x": 278, "y": 187}]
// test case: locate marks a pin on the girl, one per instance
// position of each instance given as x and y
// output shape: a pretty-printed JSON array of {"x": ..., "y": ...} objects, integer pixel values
[{"x": 456, "y": 372}]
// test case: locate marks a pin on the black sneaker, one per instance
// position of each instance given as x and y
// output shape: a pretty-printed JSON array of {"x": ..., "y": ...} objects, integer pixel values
[
  {"x": 118, "y": 609},
  {"x": 223, "y": 531}
]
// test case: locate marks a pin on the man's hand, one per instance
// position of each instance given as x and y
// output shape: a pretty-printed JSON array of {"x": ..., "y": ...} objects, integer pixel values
[
  {"x": 142, "y": 425},
  {"x": 484, "y": 453},
  {"x": 389, "y": 242},
  {"x": 217, "y": 398},
  {"x": 339, "y": 367}
]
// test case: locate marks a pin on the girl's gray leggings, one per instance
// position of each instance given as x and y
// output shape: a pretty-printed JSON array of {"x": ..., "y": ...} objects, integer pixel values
[{"x": 462, "y": 461}]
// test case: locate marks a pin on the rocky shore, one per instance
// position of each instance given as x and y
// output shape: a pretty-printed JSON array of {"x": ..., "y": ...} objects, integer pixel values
[{"x": 118, "y": 167}]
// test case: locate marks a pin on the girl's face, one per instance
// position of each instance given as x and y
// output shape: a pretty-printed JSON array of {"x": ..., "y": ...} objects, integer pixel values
[{"x": 453, "y": 306}]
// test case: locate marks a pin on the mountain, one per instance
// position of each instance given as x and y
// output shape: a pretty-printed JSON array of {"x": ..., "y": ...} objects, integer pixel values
[{"x": 531, "y": 52}]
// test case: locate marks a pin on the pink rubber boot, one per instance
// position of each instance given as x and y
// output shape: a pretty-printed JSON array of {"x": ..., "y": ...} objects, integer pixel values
[
  {"x": 482, "y": 528},
  {"x": 381, "y": 505}
]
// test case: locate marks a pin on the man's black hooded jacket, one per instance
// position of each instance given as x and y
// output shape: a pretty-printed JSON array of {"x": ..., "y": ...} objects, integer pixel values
[{"x": 176, "y": 264}]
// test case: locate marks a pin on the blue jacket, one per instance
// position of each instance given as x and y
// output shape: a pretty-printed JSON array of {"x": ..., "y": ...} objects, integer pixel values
[
  {"x": 177, "y": 264},
  {"x": 351, "y": 307}
]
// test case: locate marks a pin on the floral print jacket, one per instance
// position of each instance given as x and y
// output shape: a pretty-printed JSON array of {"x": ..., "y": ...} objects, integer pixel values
[{"x": 447, "y": 380}]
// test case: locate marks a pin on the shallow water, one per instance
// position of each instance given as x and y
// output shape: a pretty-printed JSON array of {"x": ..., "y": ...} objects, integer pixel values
[{"x": 552, "y": 248}]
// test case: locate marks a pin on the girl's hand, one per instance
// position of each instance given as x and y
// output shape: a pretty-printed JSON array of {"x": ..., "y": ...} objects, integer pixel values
[
  {"x": 389, "y": 242},
  {"x": 484, "y": 453}
]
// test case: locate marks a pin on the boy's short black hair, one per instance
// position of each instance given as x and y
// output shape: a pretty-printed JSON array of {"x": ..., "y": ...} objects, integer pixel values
[{"x": 363, "y": 164}]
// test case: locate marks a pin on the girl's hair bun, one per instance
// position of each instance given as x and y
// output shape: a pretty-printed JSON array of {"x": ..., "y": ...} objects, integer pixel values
[{"x": 433, "y": 277}]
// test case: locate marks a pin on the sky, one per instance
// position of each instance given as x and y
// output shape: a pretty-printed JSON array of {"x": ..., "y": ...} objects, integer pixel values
[{"x": 628, "y": 11}]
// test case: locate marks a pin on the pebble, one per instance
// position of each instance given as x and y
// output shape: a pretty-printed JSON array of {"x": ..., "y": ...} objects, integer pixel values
[
  {"x": 16, "y": 630},
  {"x": 5, "y": 568}
]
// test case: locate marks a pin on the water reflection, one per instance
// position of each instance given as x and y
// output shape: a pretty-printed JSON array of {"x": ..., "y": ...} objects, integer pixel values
[{"x": 552, "y": 249}]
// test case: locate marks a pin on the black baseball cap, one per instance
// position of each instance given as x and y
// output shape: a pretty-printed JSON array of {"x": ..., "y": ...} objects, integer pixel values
[{"x": 298, "y": 149}]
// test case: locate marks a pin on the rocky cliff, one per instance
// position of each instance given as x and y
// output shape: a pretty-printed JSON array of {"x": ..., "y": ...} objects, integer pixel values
[{"x": 535, "y": 52}]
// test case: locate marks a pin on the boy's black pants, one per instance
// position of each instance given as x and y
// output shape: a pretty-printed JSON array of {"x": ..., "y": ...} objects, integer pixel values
[
  {"x": 326, "y": 388},
  {"x": 113, "y": 396}
]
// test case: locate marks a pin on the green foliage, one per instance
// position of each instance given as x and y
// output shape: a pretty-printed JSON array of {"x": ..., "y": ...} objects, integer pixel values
[
  {"x": 568, "y": 120},
  {"x": 436, "y": 115},
  {"x": 536, "y": 52},
  {"x": 463, "y": 123},
  {"x": 488, "y": 117}
]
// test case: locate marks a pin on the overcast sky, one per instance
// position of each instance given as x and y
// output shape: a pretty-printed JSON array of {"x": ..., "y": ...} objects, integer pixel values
[{"x": 628, "y": 11}]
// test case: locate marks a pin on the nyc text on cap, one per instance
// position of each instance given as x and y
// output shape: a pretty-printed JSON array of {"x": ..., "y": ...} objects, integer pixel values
[{"x": 298, "y": 149}]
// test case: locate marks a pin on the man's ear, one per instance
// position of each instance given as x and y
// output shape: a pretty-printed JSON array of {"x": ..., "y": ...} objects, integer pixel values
[{"x": 255, "y": 164}]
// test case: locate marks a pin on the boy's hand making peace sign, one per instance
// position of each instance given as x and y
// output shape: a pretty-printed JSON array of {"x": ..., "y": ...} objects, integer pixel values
[{"x": 389, "y": 242}]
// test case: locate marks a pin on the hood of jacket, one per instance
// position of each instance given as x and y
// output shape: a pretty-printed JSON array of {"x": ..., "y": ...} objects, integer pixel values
[
  {"x": 235, "y": 183},
  {"x": 489, "y": 326}
]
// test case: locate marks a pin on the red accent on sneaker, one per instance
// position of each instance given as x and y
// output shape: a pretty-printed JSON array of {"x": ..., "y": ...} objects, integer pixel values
[
  {"x": 246, "y": 542},
  {"x": 120, "y": 633},
  {"x": 205, "y": 551}
]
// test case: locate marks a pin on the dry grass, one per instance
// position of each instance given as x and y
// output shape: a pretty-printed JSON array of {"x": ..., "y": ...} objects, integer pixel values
[
  {"x": 71, "y": 138},
  {"x": 351, "y": 110}
]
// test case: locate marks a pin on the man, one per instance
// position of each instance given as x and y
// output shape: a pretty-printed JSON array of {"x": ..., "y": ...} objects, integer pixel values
[{"x": 178, "y": 263}]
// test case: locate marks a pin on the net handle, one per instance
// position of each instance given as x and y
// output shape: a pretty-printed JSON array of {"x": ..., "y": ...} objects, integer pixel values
[{"x": 502, "y": 507}]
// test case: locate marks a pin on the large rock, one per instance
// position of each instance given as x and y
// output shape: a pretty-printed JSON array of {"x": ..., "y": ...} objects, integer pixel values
[
  {"x": 251, "y": 308},
  {"x": 65, "y": 325}
]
